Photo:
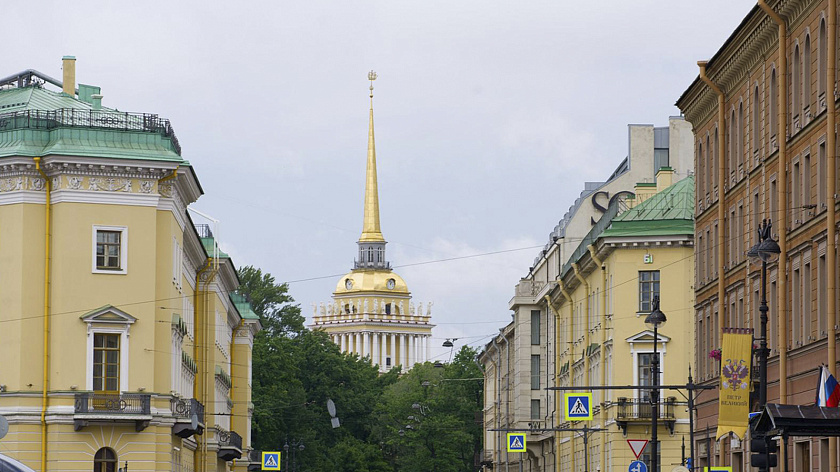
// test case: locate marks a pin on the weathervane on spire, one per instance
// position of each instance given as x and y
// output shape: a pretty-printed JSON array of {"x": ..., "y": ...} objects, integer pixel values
[{"x": 371, "y": 77}]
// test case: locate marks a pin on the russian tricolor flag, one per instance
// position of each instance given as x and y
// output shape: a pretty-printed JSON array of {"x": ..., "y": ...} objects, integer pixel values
[{"x": 828, "y": 390}]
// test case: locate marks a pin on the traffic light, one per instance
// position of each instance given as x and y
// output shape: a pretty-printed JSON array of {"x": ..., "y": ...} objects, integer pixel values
[{"x": 764, "y": 452}]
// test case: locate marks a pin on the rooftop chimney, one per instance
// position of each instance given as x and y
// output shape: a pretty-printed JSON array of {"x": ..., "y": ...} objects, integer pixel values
[
  {"x": 96, "y": 101},
  {"x": 68, "y": 64}
]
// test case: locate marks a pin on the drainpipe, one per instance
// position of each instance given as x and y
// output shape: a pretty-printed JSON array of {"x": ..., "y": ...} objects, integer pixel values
[
  {"x": 721, "y": 193},
  {"x": 571, "y": 345},
  {"x": 507, "y": 397},
  {"x": 586, "y": 321},
  {"x": 603, "y": 350},
  {"x": 831, "y": 217},
  {"x": 497, "y": 450},
  {"x": 203, "y": 347},
  {"x": 46, "y": 372},
  {"x": 555, "y": 413},
  {"x": 168, "y": 177},
  {"x": 781, "y": 303},
  {"x": 721, "y": 289}
]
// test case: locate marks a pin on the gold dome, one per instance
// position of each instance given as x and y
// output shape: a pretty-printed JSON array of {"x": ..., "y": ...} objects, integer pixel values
[{"x": 359, "y": 281}]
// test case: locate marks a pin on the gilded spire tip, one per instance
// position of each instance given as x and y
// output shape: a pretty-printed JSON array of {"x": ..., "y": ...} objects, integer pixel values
[{"x": 371, "y": 76}]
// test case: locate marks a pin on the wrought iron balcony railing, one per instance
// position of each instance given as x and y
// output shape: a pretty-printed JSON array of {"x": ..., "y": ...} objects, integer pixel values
[
  {"x": 96, "y": 119},
  {"x": 190, "y": 416},
  {"x": 230, "y": 444},
  {"x": 91, "y": 407},
  {"x": 186, "y": 407},
  {"x": 113, "y": 403},
  {"x": 640, "y": 410}
]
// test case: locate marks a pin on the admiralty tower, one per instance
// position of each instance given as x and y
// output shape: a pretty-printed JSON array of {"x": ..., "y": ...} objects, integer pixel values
[{"x": 371, "y": 312}]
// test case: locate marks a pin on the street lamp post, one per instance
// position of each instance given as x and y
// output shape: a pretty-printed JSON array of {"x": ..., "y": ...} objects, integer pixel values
[
  {"x": 766, "y": 250},
  {"x": 295, "y": 446},
  {"x": 653, "y": 321}
]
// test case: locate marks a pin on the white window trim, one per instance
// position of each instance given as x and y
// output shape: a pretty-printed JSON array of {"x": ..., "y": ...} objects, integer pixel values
[
  {"x": 123, "y": 332},
  {"x": 123, "y": 249},
  {"x": 638, "y": 345}
]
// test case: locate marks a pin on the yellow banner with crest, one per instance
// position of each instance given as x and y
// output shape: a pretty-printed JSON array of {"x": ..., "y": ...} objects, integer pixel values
[{"x": 735, "y": 378}]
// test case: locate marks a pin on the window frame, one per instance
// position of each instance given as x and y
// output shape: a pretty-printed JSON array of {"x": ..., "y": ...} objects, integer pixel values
[
  {"x": 123, "y": 230},
  {"x": 654, "y": 294}
]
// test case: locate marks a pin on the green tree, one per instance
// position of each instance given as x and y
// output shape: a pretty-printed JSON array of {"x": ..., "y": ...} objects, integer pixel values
[
  {"x": 426, "y": 420},
  {"x": 271, "y": 301},
  {"x": 295, "y": 371}
]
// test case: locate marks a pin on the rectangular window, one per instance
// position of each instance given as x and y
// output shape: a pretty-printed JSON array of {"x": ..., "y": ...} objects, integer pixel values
[
  {"x": 535, "y": 327},
  {"x": 821, "y": 172},
  {"x": 110, "y": 249},
  {"x": 821, "y": 295},
  {"x": 645, "y": 373},
  {"x": 806, "y": 303},
  {"x": 106, "y": 362},
  {"x": 648, "y": 289},
  {"x": 535, "y": 372},
  {"x": 535, "y": 409},
  {"x": 806, "y": 185}
]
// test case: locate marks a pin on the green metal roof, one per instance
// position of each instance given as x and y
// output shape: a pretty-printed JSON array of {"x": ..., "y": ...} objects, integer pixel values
[
  {"x": 669, "y": 212},
  {"x": 37, "y": 122},
  {"x": 208, "y": 244},
  {"x": 243, "y": 306}
]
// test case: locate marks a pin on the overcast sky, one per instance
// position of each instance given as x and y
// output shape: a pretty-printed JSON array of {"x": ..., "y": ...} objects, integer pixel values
[{"x": 489, "y": 114}]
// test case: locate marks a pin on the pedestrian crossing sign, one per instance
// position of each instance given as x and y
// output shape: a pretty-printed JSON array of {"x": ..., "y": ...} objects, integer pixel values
[
  {"x": 270, "y": 461},
  {"x": 516, "y": 442},
  {"x": 578, "y": 406}
]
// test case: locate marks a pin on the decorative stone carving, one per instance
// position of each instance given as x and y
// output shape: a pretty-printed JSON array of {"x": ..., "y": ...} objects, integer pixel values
[
  {"x": 314, "y": 309},
  {"x": 419, "y": 309},
  {"x": 9, "y": 185},
  {"x": 401, "y": 308},
  {"x": 323, "y": 309},
  {"x": 109, "y": 184},
  {"x": 56, "y": 182},
  {"x": 74, "y": 182},
  {"x": 410, "y": 308},
  {"x": 165, "y": 190},
  {"x": 37, "y": 184},
  {"x": 366, "y": 306},
  {"x": 146, "y": 186},
  {"x": 429, "y": 308}
]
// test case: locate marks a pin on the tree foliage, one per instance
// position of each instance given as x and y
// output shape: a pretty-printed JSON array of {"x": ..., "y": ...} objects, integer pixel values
[{"x": 296, "y": 370}]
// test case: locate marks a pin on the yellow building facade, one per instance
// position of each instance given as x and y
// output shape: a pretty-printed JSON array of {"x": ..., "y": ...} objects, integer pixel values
[
  {"x": 600, "y": 302},
  {"x": 123, "y": 345},
  {"x": 371, "y": 313}
]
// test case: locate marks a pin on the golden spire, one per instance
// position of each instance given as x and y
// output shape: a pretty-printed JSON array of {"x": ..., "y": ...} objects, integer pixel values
[{"x": 370, "y": 228}]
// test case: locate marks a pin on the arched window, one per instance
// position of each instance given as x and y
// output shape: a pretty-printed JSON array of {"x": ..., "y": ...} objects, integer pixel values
[
  {"x": 710, "y": 169},
  {"x": 806, "y": 76},
  {"x": 105, "y": 460},
  {"x": 702, "y": 163},
  {"x": 796, "y": 84},
  {"x": 740, "y": 150},
  {"x": 774, "y": 104},
  {"x": 733, "y": 145},
  {"x": 822, "y": 60},
  {"x": 716, "y": 159},
  {"x": 754, "y": 120}
]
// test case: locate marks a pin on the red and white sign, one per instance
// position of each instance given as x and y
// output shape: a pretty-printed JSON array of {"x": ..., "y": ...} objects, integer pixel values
[{"x": 637, "y": 446}]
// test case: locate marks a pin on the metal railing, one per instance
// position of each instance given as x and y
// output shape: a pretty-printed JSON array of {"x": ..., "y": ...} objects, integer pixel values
[
  {"x": 229, "y": 439},
  {"x": 185, "y": 407},
  {"x": 94, "y": 119},
  {"x": 641, "y": 409},
  {"x": 120, "y": 404}
]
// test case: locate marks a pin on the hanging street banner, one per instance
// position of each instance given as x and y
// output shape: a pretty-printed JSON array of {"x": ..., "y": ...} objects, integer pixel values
[{"x": 734, "y": 394}]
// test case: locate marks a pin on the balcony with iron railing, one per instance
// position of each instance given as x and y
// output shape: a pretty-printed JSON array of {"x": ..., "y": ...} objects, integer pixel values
[
  {"x": 640, "y": 410},
  {"x": 230, "y": 444},
  {"x": 189, "y": 417},
  {"x": 96, "y": 407}
]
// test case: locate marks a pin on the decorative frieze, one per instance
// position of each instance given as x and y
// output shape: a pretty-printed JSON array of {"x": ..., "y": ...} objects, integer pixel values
[{"x": 109, "y": 184}]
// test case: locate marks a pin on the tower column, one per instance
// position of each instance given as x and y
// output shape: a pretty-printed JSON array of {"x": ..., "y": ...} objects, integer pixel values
[
  {"x": 366, "y": 343},
  {"x": 374, "y": 358},
  {"x": 412, "y": 350},
  {"x": 391, "y": 349},
  {"x": 357, "y": 346},
  {"x": 428, "y": 346},
  {"x": 404, "y": 351}
]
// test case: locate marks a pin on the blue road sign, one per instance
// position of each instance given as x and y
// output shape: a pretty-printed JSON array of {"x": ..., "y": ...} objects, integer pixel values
[
  {"x": 516, "y": 442},
  {"x": 637, "y": 466}
]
